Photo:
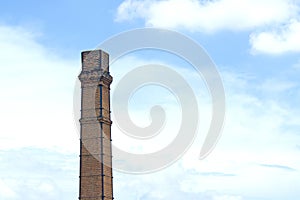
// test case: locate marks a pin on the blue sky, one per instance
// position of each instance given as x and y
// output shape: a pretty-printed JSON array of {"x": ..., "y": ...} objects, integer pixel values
[{"x": 255, "y": 46}]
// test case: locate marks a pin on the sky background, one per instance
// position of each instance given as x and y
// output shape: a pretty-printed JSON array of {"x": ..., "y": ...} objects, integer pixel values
[{"x": 255, "y": 46}]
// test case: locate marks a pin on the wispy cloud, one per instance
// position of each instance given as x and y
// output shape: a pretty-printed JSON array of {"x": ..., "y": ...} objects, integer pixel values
[
  {"x": 278, "y": 167},
  {"x": 275, "y": 85},
  {"x": 216, "y": 174},
  {"x": 254, "y": 132},
  {"x": 175, "y": 183},
  {"x": 297, "y": 65},
  {"x": 33, "y": 173},
  {"x": 280, "y": 39}
]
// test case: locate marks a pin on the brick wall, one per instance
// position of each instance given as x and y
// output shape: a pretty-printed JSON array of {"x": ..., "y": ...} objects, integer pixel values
[{"x": 95, "y": 136}]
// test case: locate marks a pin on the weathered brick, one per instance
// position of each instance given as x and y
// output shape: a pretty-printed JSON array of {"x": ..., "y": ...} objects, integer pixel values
[{"x": 95, "y": 152}]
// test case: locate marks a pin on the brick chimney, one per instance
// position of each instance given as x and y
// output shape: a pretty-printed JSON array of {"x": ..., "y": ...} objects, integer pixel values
[{"x": 95, "y": 134}]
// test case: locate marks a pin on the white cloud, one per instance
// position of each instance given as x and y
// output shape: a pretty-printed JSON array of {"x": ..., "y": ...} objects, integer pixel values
[
  {"x": 274, "y": 24},
  {"x": 255, "y": 135},
  {"x": 36, "y": 90},
  {"x": 227, "y": 197},
  {"x": 33, "y": 99},
  {"x": 6, "y": 192},
  {"x": 278, "y": 40},
  {"x": 274, "y": 86},
  {"x": 207, "y": 16},
  {"x": 34, "y": 173}
]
